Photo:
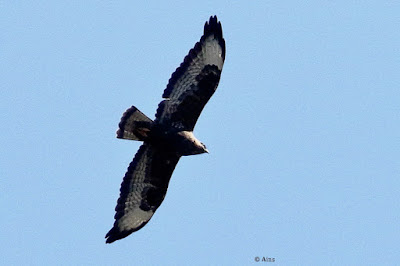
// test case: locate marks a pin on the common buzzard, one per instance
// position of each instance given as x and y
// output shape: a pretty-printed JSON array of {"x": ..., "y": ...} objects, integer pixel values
[{"x": 170, "y": 135}]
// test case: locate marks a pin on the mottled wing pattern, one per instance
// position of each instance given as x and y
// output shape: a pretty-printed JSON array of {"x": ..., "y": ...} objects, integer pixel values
[
  {"x": 194, "y": 81},
  {"x": 142, "y": 190}
]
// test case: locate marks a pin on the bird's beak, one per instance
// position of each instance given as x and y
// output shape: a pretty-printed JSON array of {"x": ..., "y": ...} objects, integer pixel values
[{"x": 206, "y": 150}]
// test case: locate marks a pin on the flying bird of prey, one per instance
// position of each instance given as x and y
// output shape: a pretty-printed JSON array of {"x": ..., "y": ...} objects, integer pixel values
[{"x": 170, "y": 135}]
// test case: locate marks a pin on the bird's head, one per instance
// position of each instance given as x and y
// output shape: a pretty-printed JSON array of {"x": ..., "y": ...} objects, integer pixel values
[
  {"x": 192, "y": 145},
  {"x": 204, "y": 148},
  {"x": 198, "y": 148}
]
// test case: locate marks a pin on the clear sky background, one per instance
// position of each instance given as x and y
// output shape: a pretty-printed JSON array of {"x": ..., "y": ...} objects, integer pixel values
[{"x": 303, "y": 132}]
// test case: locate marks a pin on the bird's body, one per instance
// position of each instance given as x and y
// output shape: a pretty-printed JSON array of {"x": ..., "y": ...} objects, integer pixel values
[{"x": 170, "y": 135}]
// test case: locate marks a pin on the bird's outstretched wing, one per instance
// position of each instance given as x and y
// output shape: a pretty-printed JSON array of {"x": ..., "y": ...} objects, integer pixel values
[
  {"x": 194, "y": 81},
  {"x": 142, "y": 190}
]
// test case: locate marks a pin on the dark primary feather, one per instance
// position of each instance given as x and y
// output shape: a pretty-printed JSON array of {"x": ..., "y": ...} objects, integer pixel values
[{"x": 212, "y": 28}]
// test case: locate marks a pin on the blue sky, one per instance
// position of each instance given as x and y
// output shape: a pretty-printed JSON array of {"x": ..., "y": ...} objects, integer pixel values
[{"x": 303, "y": 132}]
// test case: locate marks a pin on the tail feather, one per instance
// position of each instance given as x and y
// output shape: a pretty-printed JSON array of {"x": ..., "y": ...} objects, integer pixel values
[{"x": 134, "y": 125}]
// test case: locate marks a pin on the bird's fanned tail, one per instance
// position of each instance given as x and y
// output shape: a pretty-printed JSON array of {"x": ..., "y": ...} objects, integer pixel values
[{"x": 134, "y": 125}]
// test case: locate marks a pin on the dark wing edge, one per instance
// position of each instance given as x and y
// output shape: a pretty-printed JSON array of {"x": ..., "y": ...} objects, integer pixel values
[
  {"x": 183, "y": 114},
  {"x": 194, "y": 81},
  {"x": 142, "y": 190},
  {"x": 212, "y": 27}
]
